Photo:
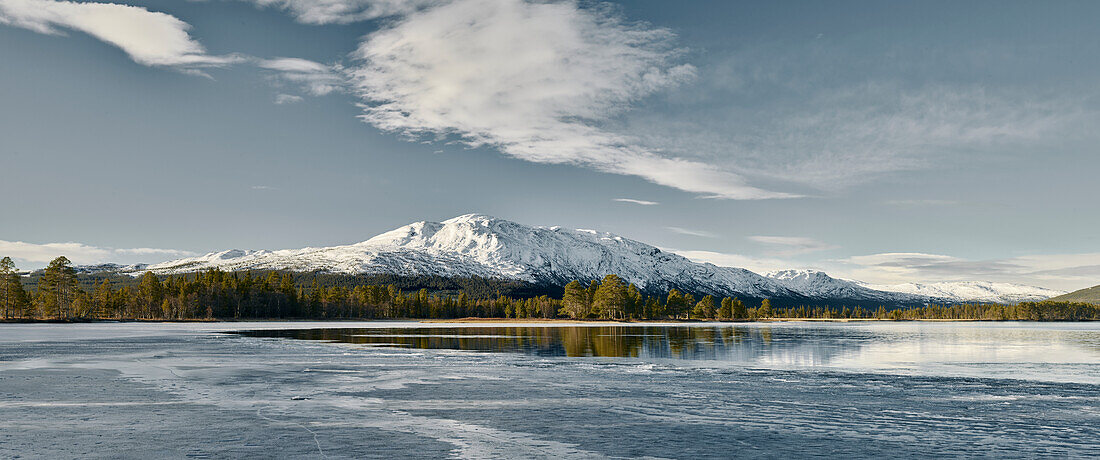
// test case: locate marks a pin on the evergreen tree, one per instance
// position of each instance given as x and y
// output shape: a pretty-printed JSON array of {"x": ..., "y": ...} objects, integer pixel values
[
  {"x": 705, "y": 308},
  {"x": 675, "y": 303},
  {"x": 574, "y": 302},
  {"x": 738, "y": 309},
  {"x": 102, "y": 305},
  {"x": 634, "y": 302},
  {"x": 151, "y": 294},
  {"x": 13, "y": 298},
  {"x": 765, "y": 310},
  {"x": 57, "y": 288},
  {"x": 315, "y": 300},
  {"x": 610, "y": 299}
]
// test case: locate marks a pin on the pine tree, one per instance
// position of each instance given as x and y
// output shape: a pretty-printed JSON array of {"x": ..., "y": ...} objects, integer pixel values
[
  {"x": 738, "y": 309},
  {"x": 574, "y": 303},
  {"x": 726, "y": 310},
  {"x": 765, "y": 310},
  {"x": 675, "y": 303},
  {"x": 152, "y": 295},
  {"x": 705, "y": 308},
  {"x": 634, "y": 302},
  {"x": 101, "y": 300},
  {"x": 13, "y": 298},
  {"x": 610, "y": 298},
  {"x": 57, "y": 289},
  {"x": 7, "y": 300}
]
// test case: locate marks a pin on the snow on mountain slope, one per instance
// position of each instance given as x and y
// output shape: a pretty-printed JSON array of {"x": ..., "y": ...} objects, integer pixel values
[
  {"x": 971, "y": 291},
  {"x": 479, "y": 245}
]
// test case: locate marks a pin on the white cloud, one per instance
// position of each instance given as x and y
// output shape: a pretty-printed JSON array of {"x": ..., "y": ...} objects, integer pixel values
[
  {"x": 148, "y": 37},
  {"x": 535, "y": 80},
  {"x": 317, "y": 79},
  {"x": 345, "y": 11},
  {"x": 690, "y": 232},
  {"x": 786, "y": 246},
  {"x": 82, "y": 254},
  {"x": 639, "y": 202}
]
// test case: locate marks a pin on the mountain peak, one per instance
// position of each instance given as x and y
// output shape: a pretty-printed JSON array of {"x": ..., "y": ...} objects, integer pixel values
[{"x": 473, "y": 218}]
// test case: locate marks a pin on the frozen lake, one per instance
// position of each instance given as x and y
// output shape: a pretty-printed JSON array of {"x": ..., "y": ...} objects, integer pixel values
[{"x": 389, "y": 389}]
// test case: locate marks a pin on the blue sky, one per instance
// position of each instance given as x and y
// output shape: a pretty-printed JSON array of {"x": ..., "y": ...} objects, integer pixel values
[{"x": 884, "y": 141}]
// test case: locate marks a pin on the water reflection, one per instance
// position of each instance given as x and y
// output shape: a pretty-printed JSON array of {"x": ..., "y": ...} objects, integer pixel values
[{"x": 726, "y": 343}]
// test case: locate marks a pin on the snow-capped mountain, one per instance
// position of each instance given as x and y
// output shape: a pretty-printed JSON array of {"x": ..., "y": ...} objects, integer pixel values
[
  {"x": 971, "y": 291},
  {"x": 485, "y": 246},
  {"x": 479, "y": 245}
]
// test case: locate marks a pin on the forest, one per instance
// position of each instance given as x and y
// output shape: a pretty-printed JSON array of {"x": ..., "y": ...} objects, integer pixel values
[{"x": 58, "y": 294}]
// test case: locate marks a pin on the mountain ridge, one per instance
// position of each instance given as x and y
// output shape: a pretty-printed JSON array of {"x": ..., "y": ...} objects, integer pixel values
[{"x": 485, "y": 246}]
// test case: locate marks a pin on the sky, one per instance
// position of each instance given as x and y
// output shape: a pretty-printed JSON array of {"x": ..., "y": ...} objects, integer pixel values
[{"x": 883, "y": 141}]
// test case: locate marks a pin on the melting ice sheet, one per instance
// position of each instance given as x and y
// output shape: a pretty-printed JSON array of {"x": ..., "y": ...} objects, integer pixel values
[{"x": 416, "y": 390}]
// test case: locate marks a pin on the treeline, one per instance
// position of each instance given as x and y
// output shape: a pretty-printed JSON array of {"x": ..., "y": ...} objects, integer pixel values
[{"x": 215, "y": 294}]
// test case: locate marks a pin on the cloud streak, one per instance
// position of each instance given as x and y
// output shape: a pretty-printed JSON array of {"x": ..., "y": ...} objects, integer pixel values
[
  {"x": 787, "y": 246},
  {"x": 149, "y": 38},
  {"x": 690, "y": 232},
  {"x": 638, "y": 202},
  {"x": 315, "y": 78},
  {"x": 536, "y": 80}
]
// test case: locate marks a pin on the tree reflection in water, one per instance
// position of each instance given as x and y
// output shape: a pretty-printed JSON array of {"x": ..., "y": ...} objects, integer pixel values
[{"x": 723, "y": 342}]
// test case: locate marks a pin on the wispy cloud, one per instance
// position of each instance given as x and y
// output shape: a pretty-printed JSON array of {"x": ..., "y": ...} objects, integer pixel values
[
  {"x": 641, "y": 202},
  {"x": 148, "y": 37},
  {"x": 262, "y": 187},
  {"x": 690, "y": 232},
  {"x": 315, "y": 78},
  {"x": 79, "y": 253},
  {"x": 282, "y": 99},
  {"x": 535, "y": 80},
  {"x": 787, "y": 246},
  {"x": 826, "y": 134}
]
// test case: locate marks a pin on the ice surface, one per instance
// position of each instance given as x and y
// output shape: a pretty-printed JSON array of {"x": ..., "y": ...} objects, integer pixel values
[{"x": 187, "y": 390}]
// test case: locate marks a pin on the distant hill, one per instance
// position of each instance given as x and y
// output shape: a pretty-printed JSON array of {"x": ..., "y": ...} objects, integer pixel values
[{"x": 1089, "y": 295}]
